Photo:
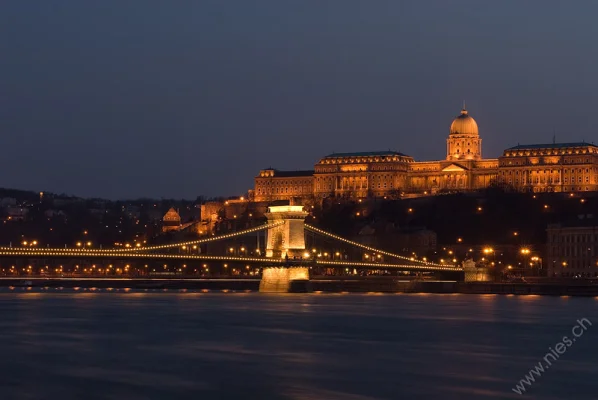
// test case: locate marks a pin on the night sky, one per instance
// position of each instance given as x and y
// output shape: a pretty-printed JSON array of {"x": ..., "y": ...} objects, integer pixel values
[{"x": 124, "y": 99}]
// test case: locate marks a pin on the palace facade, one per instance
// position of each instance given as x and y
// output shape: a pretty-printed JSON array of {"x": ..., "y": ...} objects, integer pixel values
[{"x": 555, "y": 167}]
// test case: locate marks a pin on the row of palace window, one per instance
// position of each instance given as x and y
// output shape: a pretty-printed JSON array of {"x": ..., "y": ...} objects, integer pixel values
[
  {"x": 566, "y": 188},
  {"x": 582, "y": 274},
  {"x": 381, "y": 168},
  {"x": 284, "y": 190},
  {"x": 572, "y": 251},
  {"x": 362, "y": 160},
  {"x": 574, "y": 160},
  {"x": 459, "y": 144},
  {"x": 580, "y": 264},
  {"x": 365, "y": 169},
  {"x": 374, "y": 167},
  {"x": 549, "y": 180},
  {"x": 429, "y": 169},
  {"x": 324, "y": 170},
  {"x": 277, "y": 182},
  {"x": 552, "y": 171},
  {"x": 565, "y": 161},
  {"x": 548, "y": 152},
  {"x": 354, "y": 185},
  {"x": 357, "y": 178},
  {"x": 576, "y": 238}
]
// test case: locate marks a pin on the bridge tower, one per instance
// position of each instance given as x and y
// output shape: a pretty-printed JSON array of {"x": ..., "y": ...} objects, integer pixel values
[{"x": 286, "y": 240}]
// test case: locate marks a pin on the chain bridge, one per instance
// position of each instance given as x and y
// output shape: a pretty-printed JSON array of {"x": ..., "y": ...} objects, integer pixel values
[{"x": 281, "y": 256}]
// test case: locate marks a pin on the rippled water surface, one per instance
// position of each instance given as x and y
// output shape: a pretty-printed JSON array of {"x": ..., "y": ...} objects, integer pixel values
[{"x": 142, "y": 345}]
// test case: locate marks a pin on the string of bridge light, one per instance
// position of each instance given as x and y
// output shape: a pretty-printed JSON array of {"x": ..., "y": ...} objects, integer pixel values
[
  {"x": 206, "y": 240},
  {"x": 156, "y": 247},
  {"x": 386, "y": 253},
  {"x": 141, "y": 255},
  {"x": 383, "y": 265}
]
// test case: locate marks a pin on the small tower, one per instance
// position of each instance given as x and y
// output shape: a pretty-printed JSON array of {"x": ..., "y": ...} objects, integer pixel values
[{"x": 171, "y": 221}]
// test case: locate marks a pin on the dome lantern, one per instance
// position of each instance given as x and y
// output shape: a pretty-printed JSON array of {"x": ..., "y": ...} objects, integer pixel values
[{"x": 464, "y": 124}]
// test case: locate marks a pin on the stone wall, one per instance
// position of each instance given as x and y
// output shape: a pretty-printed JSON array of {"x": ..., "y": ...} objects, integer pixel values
[{"x": 279, "y": 279}]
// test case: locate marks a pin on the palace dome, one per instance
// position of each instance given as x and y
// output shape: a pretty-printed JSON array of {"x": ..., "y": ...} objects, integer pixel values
[{"x": 464, "y": 124}]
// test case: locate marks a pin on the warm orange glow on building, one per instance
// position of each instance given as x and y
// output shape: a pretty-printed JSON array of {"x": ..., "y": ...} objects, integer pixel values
[
  {"x": 556, "y": 167},
  {"x": 553, "y": 167}
]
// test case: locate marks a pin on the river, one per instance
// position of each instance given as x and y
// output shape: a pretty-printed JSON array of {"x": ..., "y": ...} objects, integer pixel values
[{"x": 59, "y": 344}]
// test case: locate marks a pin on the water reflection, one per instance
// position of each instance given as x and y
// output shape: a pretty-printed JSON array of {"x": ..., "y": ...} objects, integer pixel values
[{"x": 144, "y": 344}]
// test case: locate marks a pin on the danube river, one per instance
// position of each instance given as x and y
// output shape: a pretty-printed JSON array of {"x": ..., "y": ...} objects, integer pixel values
[{"x": 59, "y": 344}]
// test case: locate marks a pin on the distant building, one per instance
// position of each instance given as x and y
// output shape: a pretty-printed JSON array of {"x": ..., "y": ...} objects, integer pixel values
[
  {"x": 474, "y": 272},
  {"x": 272, "y": 184},
  {"x": 16, "y": 213},
  {"x": 556, "y": 167},
  {"x": 420, "y": 241},
  {"x": 387, "y": 173},
  {"x": 171, "y": 221},
  {"x": 61, "y": 202},
  {"x": 97, "y": 212},
  {"x": 154, "y": 215},
  {"x": 8, "y": 201},
  {"x": 209, "y": 216},
  {"x": 54, "y": 213},
  {"x": 385, "y": 235},
  {"x": 131, "y": 211},
  {"x": 572, "y": 248}
]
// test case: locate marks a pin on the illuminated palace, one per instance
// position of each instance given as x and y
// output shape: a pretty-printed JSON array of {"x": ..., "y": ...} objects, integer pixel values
[{"x": 555, "y": 167}]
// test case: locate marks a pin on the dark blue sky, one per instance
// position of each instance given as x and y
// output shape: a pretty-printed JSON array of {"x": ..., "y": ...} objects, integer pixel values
[{"x": 120, "y": 98}]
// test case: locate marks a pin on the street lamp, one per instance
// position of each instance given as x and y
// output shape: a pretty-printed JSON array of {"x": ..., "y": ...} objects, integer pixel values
[
  {"x": 525, "y": 252},
  {"x": 538, "y": 261}
]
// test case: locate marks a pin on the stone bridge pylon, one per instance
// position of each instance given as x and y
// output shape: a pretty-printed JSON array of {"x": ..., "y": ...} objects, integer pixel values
[{"x": 286, "y": 241}]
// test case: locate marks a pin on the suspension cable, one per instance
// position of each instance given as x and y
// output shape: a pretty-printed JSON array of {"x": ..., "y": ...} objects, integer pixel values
[
  {"x": 156, "y": 247},
  {"x": 386, "y": 253}
]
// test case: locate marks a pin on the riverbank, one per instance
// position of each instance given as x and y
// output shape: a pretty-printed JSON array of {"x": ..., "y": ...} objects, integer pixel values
[
  {"x": 320, "y": 284},
  {"x": 544, "y": 289},
  {"x": 136, "y": 283}
]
